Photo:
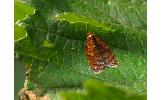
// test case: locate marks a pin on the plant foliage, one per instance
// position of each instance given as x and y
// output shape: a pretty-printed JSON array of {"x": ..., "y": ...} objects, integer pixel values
[{"x": 53, "y": 49}]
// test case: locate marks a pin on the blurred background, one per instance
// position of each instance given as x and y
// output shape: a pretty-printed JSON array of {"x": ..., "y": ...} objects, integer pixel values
[{"x": 19, "y": 77}]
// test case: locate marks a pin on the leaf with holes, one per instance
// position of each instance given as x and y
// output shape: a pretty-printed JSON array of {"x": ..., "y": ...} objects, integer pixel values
[{"x": 54, "y": 46}]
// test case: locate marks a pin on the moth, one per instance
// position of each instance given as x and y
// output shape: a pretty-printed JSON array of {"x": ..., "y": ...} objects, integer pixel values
[{"x": 98, "y": 54}]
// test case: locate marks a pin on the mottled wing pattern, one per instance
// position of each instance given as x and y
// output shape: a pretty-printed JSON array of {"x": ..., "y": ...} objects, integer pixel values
[
  {"x": 107, "y": 54},
  {"x": 98, "y": 54},
  {"x": 93, "y": 55}
]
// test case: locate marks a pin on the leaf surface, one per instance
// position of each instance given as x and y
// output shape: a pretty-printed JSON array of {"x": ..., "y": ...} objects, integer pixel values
[
  {"x": 54, "y": 46},
  {"x": 98, "y": 91}
]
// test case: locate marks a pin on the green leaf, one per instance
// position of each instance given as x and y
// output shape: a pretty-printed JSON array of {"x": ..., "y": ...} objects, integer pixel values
[
  {"x": 54, "y": 46},
  {"x": 95, "y": 90},
  {"x": 20, "y": 11}
]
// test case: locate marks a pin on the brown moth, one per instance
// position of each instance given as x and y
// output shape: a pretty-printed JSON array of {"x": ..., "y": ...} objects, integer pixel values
[{"x": 99, "y": 54}]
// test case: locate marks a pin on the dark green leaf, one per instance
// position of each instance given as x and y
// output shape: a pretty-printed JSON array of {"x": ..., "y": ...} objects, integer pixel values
[{"x": 54, "y": 46}]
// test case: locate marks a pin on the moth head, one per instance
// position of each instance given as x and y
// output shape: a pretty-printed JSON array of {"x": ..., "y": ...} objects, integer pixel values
[{"x": 90, "y": 34}]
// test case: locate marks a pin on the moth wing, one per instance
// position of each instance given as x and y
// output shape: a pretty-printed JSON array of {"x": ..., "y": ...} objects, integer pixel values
[
  {"x": 93, "y": 55},
  {"x": 107, "y": 54}
]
